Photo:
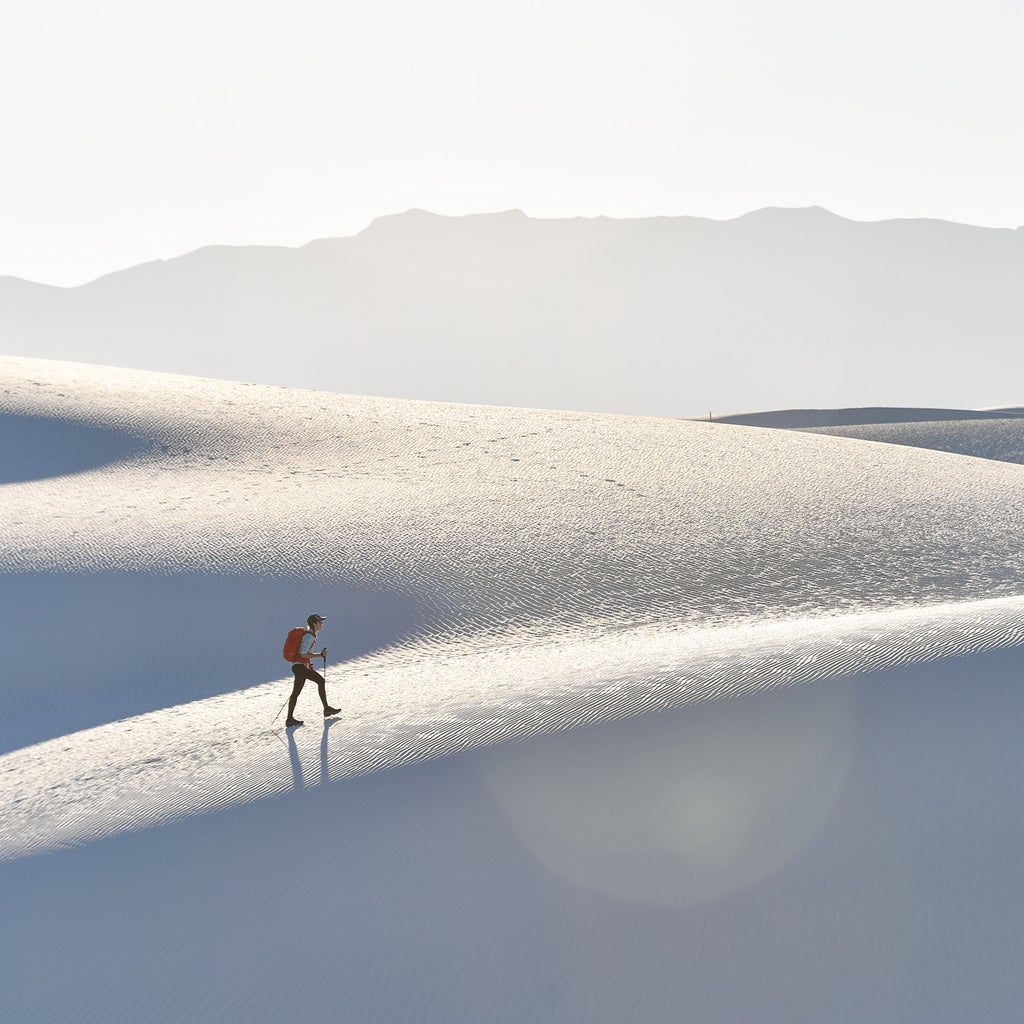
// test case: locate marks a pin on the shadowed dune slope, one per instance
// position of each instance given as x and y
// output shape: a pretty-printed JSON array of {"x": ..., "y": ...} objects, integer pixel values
[
  {"x": 999, "y": 438},
  {"x": 982, "y": 433},
  {"x": 809, "y": 419}
]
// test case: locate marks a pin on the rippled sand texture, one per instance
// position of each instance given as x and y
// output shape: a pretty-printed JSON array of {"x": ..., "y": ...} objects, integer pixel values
[
  {"x": 502, "y": 519},
  {"x": 644, "y": 720},
  {"x": 412, "y": 706},
  {"x": 552, "y": 568},
  {"x": 1001, "y": 439}
]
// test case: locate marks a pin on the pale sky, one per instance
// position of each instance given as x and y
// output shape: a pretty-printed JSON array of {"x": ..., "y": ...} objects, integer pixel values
[{"x": 134, "y": 130}]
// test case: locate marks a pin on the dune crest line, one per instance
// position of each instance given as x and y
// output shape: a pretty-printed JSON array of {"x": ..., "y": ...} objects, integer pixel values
[{"x": 410, "y": 705}]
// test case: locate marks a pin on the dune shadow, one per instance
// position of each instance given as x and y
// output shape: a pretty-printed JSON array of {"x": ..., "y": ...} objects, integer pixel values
[
  {"x": 418, "y": 883},
  {"x": 297, "y": 763},
  {"x": 810, "y": 419},
  {"x": 37, "y": 447},
  {"x": 90, "y": 648}
]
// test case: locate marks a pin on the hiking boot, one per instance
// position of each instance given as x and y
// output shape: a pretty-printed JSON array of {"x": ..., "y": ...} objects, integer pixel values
[
  {"x": 328, "y": 711},
  {"x": 291, "y": 722}
]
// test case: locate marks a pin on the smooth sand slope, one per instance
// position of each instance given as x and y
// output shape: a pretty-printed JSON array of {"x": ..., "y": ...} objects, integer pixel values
[
  {"x": 574, "y": 778},
  {"x": 983, "y": 433}
]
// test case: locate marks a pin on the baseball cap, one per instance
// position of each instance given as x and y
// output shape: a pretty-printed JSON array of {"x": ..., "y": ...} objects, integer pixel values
[{"x": 316, "y": 618}]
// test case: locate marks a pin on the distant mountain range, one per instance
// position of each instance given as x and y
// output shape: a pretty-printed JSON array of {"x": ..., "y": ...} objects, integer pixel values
[{"x": 681, "y": 316}]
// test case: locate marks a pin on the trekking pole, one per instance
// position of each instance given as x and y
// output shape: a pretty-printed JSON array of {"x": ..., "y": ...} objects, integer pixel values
[
  {"x": 280, "y": 709},
  {"x": 324, "y": 656}
]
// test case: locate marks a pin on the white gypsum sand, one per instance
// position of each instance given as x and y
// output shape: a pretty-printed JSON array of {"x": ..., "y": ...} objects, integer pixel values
[
  {"x": 549, "y": 557},
  {"x": 670, "y": 656}
]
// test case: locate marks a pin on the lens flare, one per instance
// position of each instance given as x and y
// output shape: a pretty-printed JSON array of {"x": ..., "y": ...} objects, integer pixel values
[{"x": 684, "y": 807}]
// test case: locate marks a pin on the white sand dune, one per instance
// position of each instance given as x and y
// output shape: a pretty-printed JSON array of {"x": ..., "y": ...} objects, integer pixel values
[
  {"x": 637, "y": 714},
  {"x": 984, "y": 433},
  {"x": 1000, "y": 439},
  {"x": 223, "y": 750},
  {"x": 809, "y": 419}
]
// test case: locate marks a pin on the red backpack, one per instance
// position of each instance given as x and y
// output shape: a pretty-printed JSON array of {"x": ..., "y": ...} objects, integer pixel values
[{"x": 291, "y": 643}]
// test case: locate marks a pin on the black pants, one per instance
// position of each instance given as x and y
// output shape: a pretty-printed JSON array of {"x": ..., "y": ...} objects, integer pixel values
[{"x": 302, "y": 673}]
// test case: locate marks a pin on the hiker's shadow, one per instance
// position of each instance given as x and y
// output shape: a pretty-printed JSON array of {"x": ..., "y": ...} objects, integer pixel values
[{"x": 298, "y": 782}]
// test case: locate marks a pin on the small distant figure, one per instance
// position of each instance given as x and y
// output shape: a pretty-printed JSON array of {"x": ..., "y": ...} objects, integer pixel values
[{"x": 301, "y": 658}]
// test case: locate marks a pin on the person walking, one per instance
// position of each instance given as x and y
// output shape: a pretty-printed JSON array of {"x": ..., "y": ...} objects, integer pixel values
[{"x": 302, "y": 668}]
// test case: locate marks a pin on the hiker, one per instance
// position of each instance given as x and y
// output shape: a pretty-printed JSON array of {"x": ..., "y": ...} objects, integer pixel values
[{"x": 302, "y": 667}]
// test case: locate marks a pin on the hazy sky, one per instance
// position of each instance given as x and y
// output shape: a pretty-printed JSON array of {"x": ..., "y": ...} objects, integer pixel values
[{"x": 138, "y": 129}]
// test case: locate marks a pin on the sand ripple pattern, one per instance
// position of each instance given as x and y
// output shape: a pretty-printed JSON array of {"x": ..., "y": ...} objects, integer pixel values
[
  {"x": 563, "y": 567},
  {"x": 507, "y": 519},
  {"x": 408, "y": 706},
  {"x": 1001, "y": 439}
]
